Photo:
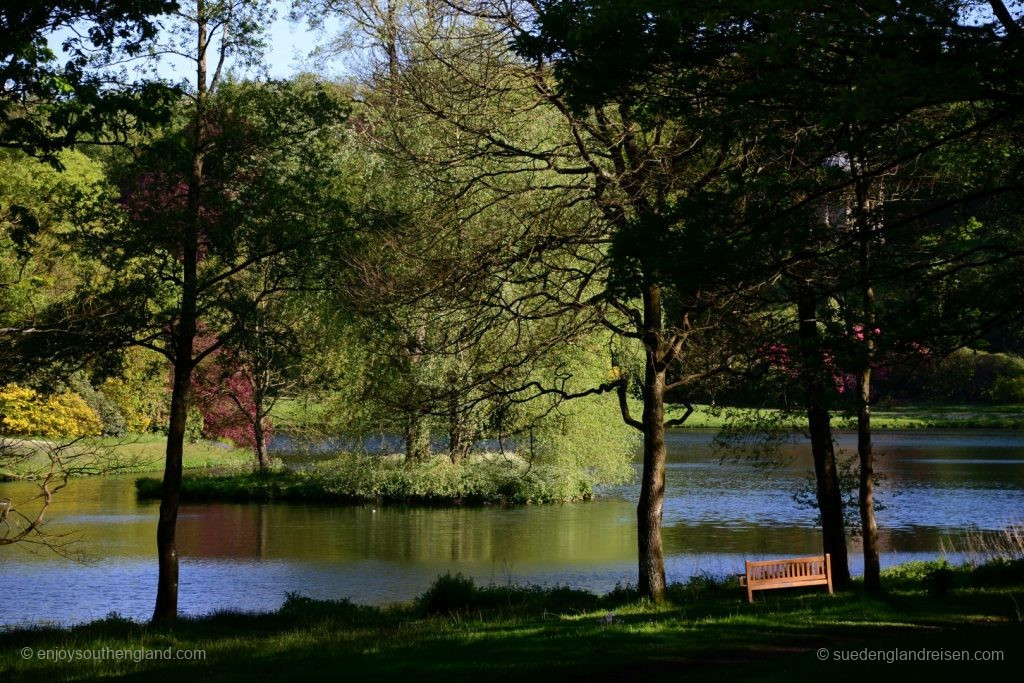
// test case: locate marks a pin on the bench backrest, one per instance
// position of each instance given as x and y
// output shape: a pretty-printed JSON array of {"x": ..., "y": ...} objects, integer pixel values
[{"x": 794, "y": 569}]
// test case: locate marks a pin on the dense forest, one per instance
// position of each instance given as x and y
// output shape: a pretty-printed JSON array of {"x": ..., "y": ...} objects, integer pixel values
[{"x": 521, "y": 239}]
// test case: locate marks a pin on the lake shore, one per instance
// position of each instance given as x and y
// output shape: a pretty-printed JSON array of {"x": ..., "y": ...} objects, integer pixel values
[
  {"x": 888, "y": 417},
  {"x": 144, "y": 453},
  {"x": 456, "y": 630},
  {"x": 135, "y": 453}
]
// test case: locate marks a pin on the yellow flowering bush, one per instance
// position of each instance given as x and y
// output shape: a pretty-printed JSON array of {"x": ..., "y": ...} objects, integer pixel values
[{"x": 25, "y": 412}]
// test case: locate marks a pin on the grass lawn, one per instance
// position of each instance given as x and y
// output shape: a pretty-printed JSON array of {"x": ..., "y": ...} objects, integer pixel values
[
  {"x": 457, "y": 632},
  {"x": 134, "y": 453},
  {"x": 904, "y": 417},
  {"x": 299, "y": 414}
]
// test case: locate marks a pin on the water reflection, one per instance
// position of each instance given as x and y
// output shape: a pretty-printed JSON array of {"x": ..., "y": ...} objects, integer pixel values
[{"x": 937, "y": 485}]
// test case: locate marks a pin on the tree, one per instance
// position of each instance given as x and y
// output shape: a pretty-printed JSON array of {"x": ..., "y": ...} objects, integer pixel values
[
  {"x": 538, "y": 203},
  {"x": 45, "y": 106},
  {"x": 243, "y": 184},
  {"x": 885, "y": 92},
  {"x": 874, "y": 86}
]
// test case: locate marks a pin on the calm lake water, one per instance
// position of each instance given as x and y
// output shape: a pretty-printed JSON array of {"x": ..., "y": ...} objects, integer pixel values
[{"x": 937, "y": 486}]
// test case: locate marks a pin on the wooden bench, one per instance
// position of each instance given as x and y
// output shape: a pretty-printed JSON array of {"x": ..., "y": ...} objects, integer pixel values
[{"x": 789, "y": 573}]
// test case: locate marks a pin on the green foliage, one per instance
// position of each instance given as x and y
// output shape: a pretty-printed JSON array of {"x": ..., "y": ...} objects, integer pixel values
[
  {"x": 967, "y": 375},
  {"x": 1007, "y": 390},
  {"x": 36, "y": 270},
  {"x": 910, "y": 573},
  {"x": 139, "y": 390},
  {"x": 586, "y": 437},
  {"x": 48, "y": 104},
  {"x": 998, "y": 572},
  {"x": 301, "y": 607},
  {"x": 447, "y": 594},
  {"x": 939, "y": 581},
  {"x": 24, "y": 412},
  {"x": 939, "y": 577},
  {"x": 358, "y": 477},
  {"x": 107, "y": 410}
]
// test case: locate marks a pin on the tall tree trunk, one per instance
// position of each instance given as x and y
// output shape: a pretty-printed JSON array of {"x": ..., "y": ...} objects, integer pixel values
[
  {"x": 649, "y": 509},
  {"x": 866, "y": 498},
  {"x": 166, "y": 608},
  {"x": 829, "y": 495},
  {"x": 869, "y": 525}
]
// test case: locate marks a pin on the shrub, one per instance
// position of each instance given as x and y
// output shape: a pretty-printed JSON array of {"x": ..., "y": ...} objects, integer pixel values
[
  {"x": 1008, "y": 390},
  {"x": 107, "y": 410},
  {"x": 24, "y": 412},
  {"x": 969, "y": 375},
  {"x": 140, "y": 391},
  {"x": 939, "y": 581},
  {"x": 353, "y": 477},
  {"x": 998, "y": 572},
  {"x": 912, "y": 574},
  {"x": 449, "y": 593}
]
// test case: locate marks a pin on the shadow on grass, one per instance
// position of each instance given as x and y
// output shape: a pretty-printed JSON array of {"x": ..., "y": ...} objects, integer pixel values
[{"x": 458, "y": 631}]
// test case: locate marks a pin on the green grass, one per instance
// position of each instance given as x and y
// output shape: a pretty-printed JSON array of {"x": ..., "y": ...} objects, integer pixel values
[
  {"x": 457, "y": 631},
  {"x": 130, "y": 454},
  {"x": 905, "y": 417},
  {"x": 354, "y": 477},
  {"x": 295, "y": 413}
]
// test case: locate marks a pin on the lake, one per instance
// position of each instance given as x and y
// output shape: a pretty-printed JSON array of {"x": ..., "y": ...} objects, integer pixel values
[{"x": 937, "y": 486}]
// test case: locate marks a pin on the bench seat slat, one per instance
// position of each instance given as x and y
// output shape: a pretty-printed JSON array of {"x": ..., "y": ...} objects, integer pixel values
[{"x": 786, "y": 583}]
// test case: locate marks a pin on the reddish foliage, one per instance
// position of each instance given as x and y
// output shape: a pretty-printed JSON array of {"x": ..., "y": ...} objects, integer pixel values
[
  {"x": 778, "y": 357},
  {"x": 160, "y": 200},
  {"x": 223, "y": 392}
]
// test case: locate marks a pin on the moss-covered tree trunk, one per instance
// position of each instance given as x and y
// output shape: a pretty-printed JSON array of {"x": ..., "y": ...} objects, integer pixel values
[
  {"x": 866, "y": 497},
  {"x": 460, "y": 438}
]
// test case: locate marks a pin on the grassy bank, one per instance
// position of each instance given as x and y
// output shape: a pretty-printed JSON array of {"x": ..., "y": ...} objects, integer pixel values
[
  {"x": 136, "y": 453},
  {"x": 903, "y": 417},
  {"x": 355, "y": 477},
  {"x": 457, "y": 631}
]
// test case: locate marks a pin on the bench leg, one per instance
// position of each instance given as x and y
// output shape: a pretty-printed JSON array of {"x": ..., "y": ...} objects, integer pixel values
[{"x": 750, "y": 593}]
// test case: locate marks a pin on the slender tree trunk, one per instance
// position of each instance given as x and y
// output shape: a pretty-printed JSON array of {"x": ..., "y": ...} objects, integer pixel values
[
  {"x": 262, "y": 459},
  {"x": 458, "y": 437},
  {"x": 649, "y": 509},
  {"x": 166, "y": 608},
  {"x": 391, "y": 40},
  {"x": 829, "y": 495},
  {"x": 869, "y": 525},
  {"x": 417, "y": 434},
  {"x": 866, "y": 499}
]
